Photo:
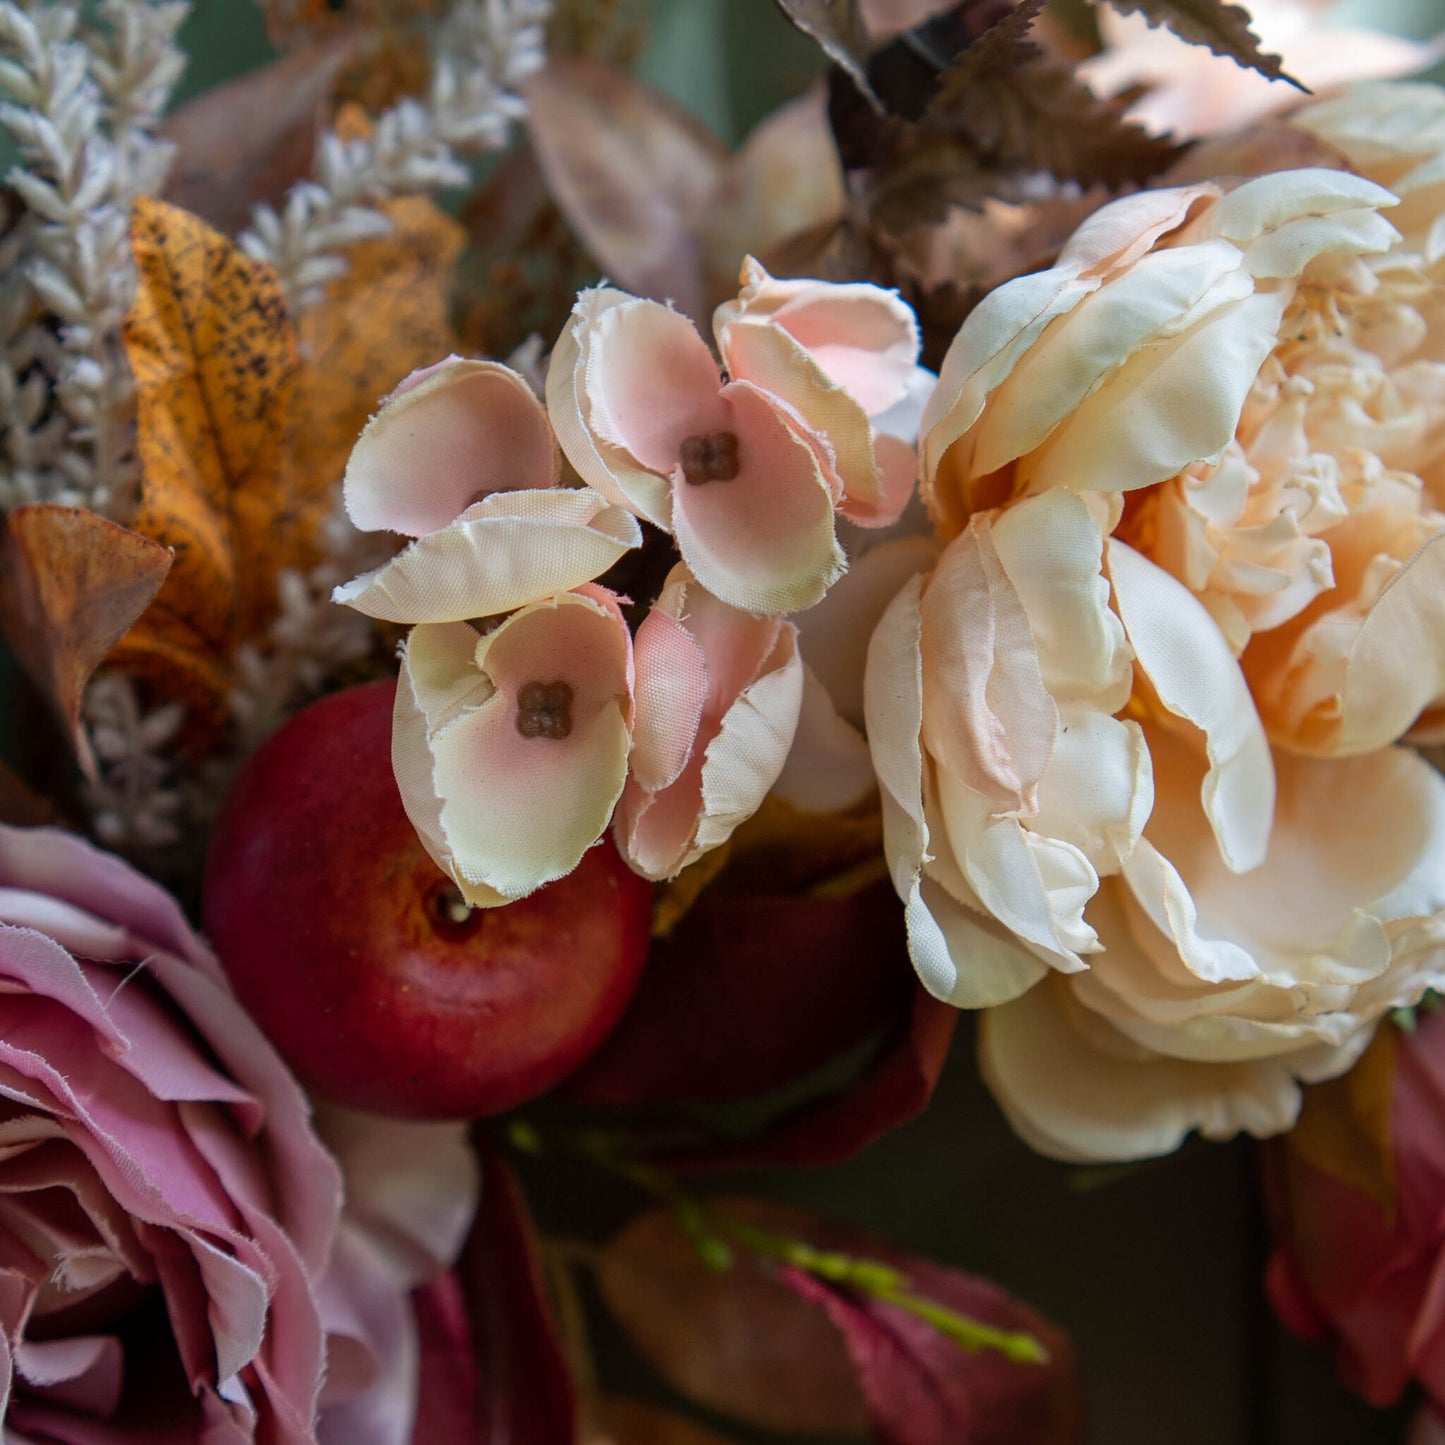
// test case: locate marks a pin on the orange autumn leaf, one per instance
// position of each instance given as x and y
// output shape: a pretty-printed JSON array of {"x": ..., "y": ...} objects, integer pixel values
[
  {"x": 387, "y": 315},
  {"x": 215, "y": 364}
]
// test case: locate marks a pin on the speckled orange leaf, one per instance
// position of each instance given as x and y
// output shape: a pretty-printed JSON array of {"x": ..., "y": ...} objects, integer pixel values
[
  {"x": 215, "y": 365},
  {"x": 386, "y": 316},
  {"x": 71, "y": 582}
]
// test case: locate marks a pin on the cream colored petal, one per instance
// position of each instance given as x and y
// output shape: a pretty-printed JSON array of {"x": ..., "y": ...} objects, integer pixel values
[
  {"x": 1169, "y": 406},
  {"x": 445, "y": 437},
  {"x": 1150, "y": 302},
  {"x": 961, "y": 955},
  {"x": 1076, "y": 1090},
  {"x": 996, "y": 334},
  {"x": 1117, "y": 235},
  {"x": 988, "y": 719},
  {"x": 1396, "y": 668},
  {"x": 510, "y": 549},
  {"x": 1196, "y": 677},
  {"x": 516, "y": 809},
  {"x": 1285, "y": 219},
  {"x": 828, "y": 768},
  {"x": 1036, "y": 886},
  {"x": 834, "y": 635},
  {"x": 605, "y": 467}
]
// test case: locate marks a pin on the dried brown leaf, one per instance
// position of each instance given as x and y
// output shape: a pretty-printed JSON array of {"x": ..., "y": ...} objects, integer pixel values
[
  {"x": 20, "y": 805},
  {"x": 253, "y": 137},
  {"x": 1224, "y": 28},
  {"x": 614, "y": 30},
  {"x": 839, "y": 28},
  {"x": 71, "y": 584},
  {"x": 1038, "y": 116},
  {"x": 634, "y": 174}
]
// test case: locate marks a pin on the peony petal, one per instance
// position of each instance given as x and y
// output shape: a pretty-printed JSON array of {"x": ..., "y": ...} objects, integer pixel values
[
  {"x": 1170, "y": 405},
  {"x": 446, "y": 437},
  {"x": 829, "y": 768},
  {"x": 1190, "y": 666},
  {"x": 515, "y": 811},
  {"x": 763, "y": 541},
  {"x": 1075, "y": 1090},
  {"x": 960, "y": 955},
  {"x": 672, "y": 685},
  {"x": 509, "y": 549}
]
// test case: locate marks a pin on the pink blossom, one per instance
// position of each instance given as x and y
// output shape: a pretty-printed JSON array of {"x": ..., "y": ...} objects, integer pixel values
[{"x": 167, "y": 1214}]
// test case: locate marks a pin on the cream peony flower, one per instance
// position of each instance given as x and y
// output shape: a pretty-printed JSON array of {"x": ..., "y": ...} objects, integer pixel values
[{"x": 1190, "y": 480}]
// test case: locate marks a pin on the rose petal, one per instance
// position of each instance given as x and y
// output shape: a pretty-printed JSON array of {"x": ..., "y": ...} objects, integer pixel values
[
  {"x": 446, "y": 437},
  {"x": 509, "y": 549}
]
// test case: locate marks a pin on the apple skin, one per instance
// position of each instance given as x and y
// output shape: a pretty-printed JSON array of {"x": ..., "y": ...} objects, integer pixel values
[{"x": 354, "y": 952}]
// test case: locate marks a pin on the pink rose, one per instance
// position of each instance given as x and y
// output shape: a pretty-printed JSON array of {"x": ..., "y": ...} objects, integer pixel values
[{"x": 167, "y": 1214}]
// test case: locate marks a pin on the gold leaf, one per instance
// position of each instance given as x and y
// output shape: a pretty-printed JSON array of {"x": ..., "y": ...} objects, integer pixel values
[
  {"x": 385, "y": 317},
  {"x": 72, "y": 583},
  {"x": 1344, "y": 1124},
  {"x": 215, "y": 364}
]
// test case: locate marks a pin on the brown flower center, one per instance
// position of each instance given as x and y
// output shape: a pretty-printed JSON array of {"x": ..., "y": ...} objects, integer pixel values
[
  {"x": 544, "y": 710},
  {"x": 710, "y": 458}
]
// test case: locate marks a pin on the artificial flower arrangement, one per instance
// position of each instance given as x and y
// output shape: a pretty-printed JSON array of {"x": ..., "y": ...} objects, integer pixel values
[{"x": 476, "y": 728}]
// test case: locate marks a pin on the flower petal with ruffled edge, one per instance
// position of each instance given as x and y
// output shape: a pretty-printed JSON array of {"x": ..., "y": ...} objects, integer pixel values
[
  {"x": 718, "y": 694},
  {"x": 509, "y": 549},
  {"x": 765, "y": 540},
  {"x": 500, "y": 806},
  {"x": 864, "y": 339},
  {"x": 449, "y": 435},
  {"x": 1216, "y": 995},
  {"x": 1195, "y": 675}
]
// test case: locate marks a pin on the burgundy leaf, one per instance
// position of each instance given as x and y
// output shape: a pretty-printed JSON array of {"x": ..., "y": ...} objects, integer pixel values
[
  {"x": 527, "y": 1393},
  {"x": 748, "y": 994},
  {"x": 447, "y": 1387}
]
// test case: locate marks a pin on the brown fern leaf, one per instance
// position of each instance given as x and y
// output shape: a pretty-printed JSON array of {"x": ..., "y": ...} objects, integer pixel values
[
  {"x": 839, "y": 28},
  {"x": 1224, "y": 28},
  {"x": 1037, "y": 116},
  {"x": 1001, "y": 49}
]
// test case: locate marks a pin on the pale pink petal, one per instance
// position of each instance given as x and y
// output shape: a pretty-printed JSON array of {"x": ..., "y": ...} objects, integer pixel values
[
  {"x": 672, "y": 685},
  {"x": 513, "y": 811},
  {"x": 763, "y": 541},
  {"x": 81, "y": 1372},
  {"x": 650, "y": 382},
  {"x": 897, "y": 477},
  {"x": 752, "y": 676},
  {"x": 863, "y": 337},
  {"x": 604, "y": 466},
  {"x": 1196, "y": 677},
  {"x": 509, "y": 549},
  {"x": 445, "y": 438}
]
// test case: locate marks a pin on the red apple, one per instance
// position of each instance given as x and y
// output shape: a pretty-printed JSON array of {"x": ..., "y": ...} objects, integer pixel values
[{"x": 357, "y": 955}]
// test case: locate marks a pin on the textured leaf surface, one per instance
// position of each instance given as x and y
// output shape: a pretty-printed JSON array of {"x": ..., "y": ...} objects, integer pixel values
[
  {"x": 72, "y": 583},
  {"x": 385, "y": 317},
  {"x": 1224, "y": 28},
  {"x": 215, "y": 366},
  {"x": 839, "y": 27}
]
